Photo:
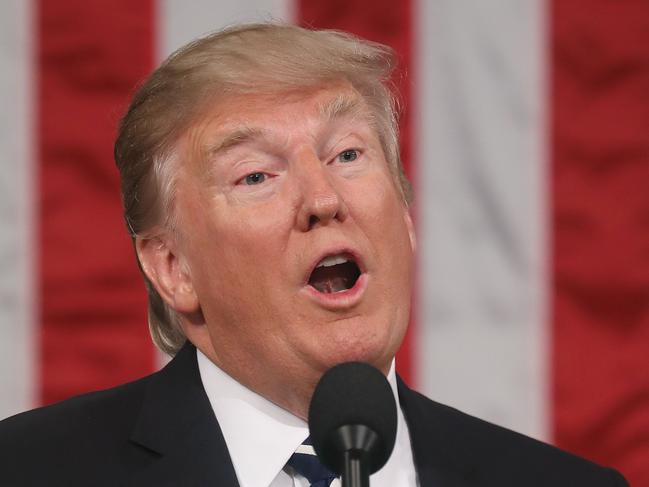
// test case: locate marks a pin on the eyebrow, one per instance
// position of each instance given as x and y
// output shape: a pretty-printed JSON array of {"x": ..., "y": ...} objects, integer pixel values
[
  {"x": 341, "y": 106},
  {"x": 239, "y": 136}
]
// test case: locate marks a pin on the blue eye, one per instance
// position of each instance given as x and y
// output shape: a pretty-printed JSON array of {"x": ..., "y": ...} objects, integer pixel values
[
  {"x": 348, "y": 155},
  {"x": 255, "y": 178}
]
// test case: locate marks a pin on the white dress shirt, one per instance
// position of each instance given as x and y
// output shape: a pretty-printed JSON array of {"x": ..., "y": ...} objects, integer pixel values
[{"x": 262, "y": 436}]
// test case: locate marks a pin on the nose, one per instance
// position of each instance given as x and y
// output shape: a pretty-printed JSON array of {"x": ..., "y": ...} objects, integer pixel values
[{"x": 320, "y": 202}]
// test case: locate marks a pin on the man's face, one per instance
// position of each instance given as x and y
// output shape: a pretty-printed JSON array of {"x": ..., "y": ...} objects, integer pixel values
[{"x": 297, "y": 241}]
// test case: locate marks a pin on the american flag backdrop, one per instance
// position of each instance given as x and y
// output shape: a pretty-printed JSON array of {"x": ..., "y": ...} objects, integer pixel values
[{"x": 525, "y": 132}]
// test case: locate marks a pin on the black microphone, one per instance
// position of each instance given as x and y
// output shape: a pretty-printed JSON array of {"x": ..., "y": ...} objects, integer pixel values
[{"x": 353, "y": 421}]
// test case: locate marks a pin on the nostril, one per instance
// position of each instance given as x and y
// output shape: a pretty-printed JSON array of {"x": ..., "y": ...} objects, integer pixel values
[{"x": 313, "y": 220}]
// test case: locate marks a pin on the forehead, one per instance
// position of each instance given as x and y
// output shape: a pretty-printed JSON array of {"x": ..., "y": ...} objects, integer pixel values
[
  {"x": 236, "y": 119},
  {"x": 250, "y": 112}
]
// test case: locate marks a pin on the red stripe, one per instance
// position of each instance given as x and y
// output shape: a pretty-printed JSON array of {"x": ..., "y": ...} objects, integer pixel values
[
  {"x": 92, "y": 303},
  {"x": 381, "y": 21},
  {"x": 601, "y": 220}
]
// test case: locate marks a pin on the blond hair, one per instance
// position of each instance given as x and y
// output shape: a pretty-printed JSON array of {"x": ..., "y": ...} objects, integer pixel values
[{"x": 254, "y": 58}]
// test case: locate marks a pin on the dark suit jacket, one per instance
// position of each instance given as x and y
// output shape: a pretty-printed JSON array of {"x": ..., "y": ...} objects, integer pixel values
[{"x": 161, "y": 431}]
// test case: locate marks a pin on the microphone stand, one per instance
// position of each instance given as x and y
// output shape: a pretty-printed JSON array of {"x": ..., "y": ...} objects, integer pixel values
[
  {"x": 357, "y": 442},
  {"x": 355, "y": 473}
]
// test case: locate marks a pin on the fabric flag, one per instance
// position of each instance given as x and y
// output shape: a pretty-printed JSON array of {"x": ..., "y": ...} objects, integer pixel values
[{"x": 525, "y": 132}]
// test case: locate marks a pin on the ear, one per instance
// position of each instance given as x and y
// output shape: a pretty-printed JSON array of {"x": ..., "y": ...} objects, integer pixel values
[
  {"x": 411, "y": 230},
  {"x": 166, "y": 270}
]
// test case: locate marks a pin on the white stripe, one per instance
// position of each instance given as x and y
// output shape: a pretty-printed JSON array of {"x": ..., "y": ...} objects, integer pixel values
[
  {"x": 481, "y": 183},
  {"x": 17, "y": 202},
  {"x": 182, "y": 21},
  {"x": 305, "y": 449}
]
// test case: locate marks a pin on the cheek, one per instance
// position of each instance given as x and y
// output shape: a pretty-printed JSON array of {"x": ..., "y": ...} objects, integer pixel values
[
  {"x": 237, "y": 231},
  {"x": 382, "y": 211},
  {"x": 388, "y": 229},
  {"x": 236, "y": 251}
]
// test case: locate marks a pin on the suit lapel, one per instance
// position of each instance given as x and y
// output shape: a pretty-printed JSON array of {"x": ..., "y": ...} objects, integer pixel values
[
  {"x": 177, "y": 423},
  {"x": 436, "y": 452}
]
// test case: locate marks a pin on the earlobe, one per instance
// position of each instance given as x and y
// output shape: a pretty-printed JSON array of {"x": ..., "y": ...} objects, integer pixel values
[{"x": 164, "y": 268}]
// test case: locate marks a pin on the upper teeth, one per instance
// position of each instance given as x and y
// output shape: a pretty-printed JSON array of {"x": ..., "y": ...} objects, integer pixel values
[{"x": 332, "y": 260}]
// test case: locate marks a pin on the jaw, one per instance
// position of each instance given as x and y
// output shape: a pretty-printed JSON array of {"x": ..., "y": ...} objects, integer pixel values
[
  {"x": 281, "y": 351},
  {"x": 285, "y": 371}
]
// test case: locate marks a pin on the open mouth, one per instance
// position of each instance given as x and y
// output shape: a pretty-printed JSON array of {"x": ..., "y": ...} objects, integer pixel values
[{"x": 335, "y": 273}]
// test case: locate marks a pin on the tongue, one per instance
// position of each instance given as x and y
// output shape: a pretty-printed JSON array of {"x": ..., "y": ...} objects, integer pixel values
[{"x": 331, "y": 279}]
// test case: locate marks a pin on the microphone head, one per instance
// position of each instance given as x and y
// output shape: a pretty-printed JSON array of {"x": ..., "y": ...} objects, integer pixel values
[{"x": 351, "y": 394}]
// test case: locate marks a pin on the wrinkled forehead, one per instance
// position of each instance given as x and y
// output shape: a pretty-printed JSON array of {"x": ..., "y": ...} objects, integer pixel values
[{"x": 234, "y": 119}]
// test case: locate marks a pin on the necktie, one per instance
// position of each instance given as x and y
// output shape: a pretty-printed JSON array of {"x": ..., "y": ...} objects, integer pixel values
[{"x": 305, "y": 462}]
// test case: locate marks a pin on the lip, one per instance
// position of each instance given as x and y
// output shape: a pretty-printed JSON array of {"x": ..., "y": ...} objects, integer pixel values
[{"x": 341, "y": 299}]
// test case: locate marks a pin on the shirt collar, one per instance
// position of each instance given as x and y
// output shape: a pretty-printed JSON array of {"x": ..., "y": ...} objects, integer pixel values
[{"x": 260, "y": 435}]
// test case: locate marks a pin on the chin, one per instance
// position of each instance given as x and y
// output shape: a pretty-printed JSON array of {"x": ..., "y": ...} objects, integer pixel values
[
  {"x": 370, "y": 350},
  {"x": 359, "y": 339}
]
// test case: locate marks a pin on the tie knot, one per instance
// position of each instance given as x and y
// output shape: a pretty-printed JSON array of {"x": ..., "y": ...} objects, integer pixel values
[{"x": 305, "y": 462}]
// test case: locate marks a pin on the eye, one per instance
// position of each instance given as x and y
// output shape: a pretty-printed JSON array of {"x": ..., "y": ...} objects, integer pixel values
[
  {"x": 254, "y": 178},
  {"x": 348, "y": 155}
]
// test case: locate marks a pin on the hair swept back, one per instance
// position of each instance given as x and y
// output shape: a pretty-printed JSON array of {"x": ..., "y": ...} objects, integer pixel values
[{"x": 252, "y": 58}]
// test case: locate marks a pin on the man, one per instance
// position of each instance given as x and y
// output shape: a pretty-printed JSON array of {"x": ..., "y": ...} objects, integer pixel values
[{"x": 264, "y": 193}]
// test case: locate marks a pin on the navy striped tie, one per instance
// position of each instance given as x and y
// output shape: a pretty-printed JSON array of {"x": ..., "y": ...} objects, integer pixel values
[{"x": 305, "y": 462}]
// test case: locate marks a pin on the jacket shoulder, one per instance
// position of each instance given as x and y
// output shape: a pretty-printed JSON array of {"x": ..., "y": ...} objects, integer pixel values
[
  {"x": 448, "y": 440},
  {"x": 44, "y": 442},
  {"x": 83, "y": 412}
]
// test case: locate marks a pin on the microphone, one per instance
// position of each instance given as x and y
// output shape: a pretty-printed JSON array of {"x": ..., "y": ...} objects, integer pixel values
[{"x": 353, "y": 421}]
